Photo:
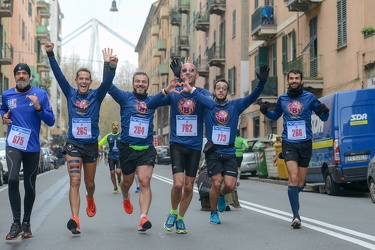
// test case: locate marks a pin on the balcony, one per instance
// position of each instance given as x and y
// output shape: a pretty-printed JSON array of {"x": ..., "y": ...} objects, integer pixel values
[
  {"x": 42, "y": 32},
  {"x": 311, "y": 70},
  {"x": 164, "y": 12},
  {"x": 42, "y": 5},
  {"x": 174, "y": 52},
  {"x": 183, "y": 43},
  {"x": 216, "y": 55},
  {"x": 6, "y": 8},
  {"x": 45, "y": 13},
  {"x": 269, "y": 93},
  {"x": 202, "y": 66},
  {"x": 154, "y": 79},
  {"x": 6, "y": 57},
  {"x": 202, "y": 21},
  {"x": 156, "y": 52},
  {"x": 302, "y": 5},
  {"x": 263, "y": 26},
  {"x": 216, "y": 7},
  {"x": 42, "y": 64},
  {"x": 184, "y": 6},
  {"x": 155, "y": 30},
  {"x": 163, "y": 68},
  {"x": 161, "y": 44},
  {"x": 175, "y": 18}
]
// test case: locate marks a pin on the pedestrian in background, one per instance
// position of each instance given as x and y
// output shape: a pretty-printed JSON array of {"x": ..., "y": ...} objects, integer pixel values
[
  {"x": 22, "y": 109},
  {"x": 113, "y": 141},
  {"x": 82, "y": 144},
  {"x": 296, "y": 106}
]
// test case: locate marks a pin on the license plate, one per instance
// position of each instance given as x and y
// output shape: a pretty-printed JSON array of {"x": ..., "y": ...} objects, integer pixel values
[{"x": 356, "y": 158}]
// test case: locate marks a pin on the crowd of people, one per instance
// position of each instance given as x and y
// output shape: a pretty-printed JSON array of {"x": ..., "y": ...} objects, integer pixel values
[{"x": 129, "y": 151}]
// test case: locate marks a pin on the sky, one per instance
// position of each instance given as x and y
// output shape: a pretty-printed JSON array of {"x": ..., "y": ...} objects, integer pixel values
[{"x": 128, "y": 22}]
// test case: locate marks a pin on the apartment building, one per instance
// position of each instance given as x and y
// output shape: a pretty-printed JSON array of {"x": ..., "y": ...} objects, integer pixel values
[
  {"x": 329, "y": 40},
  {"x": 24, "y": 27}
]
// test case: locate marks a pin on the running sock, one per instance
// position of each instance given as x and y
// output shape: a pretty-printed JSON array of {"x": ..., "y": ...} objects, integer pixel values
[
  {"x": 174, "y": 212},
  {"x": 143, "y": 215},
  {"x": 180, "y": 217},
  {"x": 293, "y": 199}
]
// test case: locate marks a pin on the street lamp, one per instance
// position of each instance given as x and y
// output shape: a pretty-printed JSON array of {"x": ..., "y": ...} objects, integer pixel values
[{"x": 114, "y": 7}]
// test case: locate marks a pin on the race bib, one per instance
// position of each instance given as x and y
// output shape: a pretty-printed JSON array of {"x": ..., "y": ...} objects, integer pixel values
[
  {"x": 138, "y": 127},
  {"x": 186, "y": 125},
  {"x": 19, "y": 137},
  {"x": 81, "y": 128},
  {"x": 220, "y": 135},
  {"x": 296, "y": 130}
]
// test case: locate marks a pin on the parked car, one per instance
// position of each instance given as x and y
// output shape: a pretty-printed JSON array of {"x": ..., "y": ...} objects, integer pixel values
[
  {"x": 54, "y": 160},
  {"x": 3, "y": 163},
  {"x": 250, "y": 158},
  {"x": 47, "y": 159},
  {"x": 163, "y": 155},
  {"x": 371, "y": 178}
]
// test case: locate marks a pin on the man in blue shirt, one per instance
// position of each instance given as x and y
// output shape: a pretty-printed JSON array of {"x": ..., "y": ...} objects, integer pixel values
[
  {"x": 82, "y": 144},
  {"x": 23, "y": 108},
  {"x": 296, "y": 106}
]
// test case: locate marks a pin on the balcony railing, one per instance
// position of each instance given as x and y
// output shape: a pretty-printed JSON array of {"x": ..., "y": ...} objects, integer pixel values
[
  {"x": 174, "y": 52},
  {"x": 302, "y": 5},
  {"x": 183, "y": 43},
  {"x": 164, "y": 68},
  {"x": 202, "y": 66},
  {"x": 175, "y": 18},
  {"x": 270, "y": 88},
  {"x": 216, "y": 7},
  {"x": 6, "y": 57},
  {"x": 42, "y": 5},
  {"x": 216, "y": 55},
  {"x": 45, "y": 13},
  {"x": 6, "y": 8},
  {"x": 202, "y": 21},
  {"x": 43, "y": 64},
  {"x": 184, "y": 6},
  {"x": 311, "y": 68},
  {"x": 263, "y": 26},
  {"x": 42, "y": 32}
]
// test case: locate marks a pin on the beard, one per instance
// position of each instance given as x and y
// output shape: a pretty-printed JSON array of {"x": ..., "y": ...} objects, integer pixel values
[{"x": 22, "y": 85}]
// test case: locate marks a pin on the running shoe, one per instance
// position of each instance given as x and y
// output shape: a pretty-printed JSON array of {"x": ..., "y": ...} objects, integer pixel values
[
  {"x": 296, "y": 222},
  {"x": 115, "y": 190},
  {"x": 26, "y": 228},
  {"x": 221, "y": 203},
  {"x": 91, "y": 207},
  {"x": 137, "y": 190},
  {"x": 180, "y": 227},
  {"x": 171, "y": 220},
  {"x": 15, "y": 231},
  {"x": 214, "y": 218},
  {"x": 74, "y": 224},
  {"x": 128, "y": 207},
  {"x": 144, "y": 224}
]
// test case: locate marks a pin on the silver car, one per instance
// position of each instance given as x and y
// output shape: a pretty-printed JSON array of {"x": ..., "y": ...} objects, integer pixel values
[
  {"x": 250, "y": 158},
  {"x": 3, "y": 163}
]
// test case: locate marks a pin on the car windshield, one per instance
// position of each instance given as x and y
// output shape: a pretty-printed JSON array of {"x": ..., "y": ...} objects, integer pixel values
[{"x": 2, "y": 145}]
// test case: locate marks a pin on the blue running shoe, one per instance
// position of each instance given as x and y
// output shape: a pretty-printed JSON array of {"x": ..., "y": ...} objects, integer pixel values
[
  {"x": 221, "y": 203},
  {"x": 214, "y": 218},
  {"x": 171, "y": 220},
  {"x": 180, "y": 227}
]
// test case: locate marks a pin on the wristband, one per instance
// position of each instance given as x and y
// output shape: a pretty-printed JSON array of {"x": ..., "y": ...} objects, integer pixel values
[
  {"x": 40, "y": 109},
  {"x": 164, "y": 92},
  {"x": 192, "y": 90}
]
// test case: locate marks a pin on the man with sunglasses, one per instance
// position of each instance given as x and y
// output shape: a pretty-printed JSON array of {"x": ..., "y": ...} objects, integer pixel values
[
  {"x": 221, "y": 129},
  {"x": 187, "y": 105}
]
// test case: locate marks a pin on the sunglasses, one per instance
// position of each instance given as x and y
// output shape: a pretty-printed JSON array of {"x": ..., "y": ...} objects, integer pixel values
[
  {"x": 189, "y": 69},
  {"x": 222, "y": 88}
]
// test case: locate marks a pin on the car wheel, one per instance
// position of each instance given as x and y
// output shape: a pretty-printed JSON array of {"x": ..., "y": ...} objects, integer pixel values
[
  {"x": 371, "y": 188},
  {"x": 332, "y": 188}
]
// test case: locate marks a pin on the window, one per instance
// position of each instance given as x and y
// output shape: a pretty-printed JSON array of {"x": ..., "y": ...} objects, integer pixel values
[
  {"x": 232, "y": 80},
  {"x": 341, "y": 23},
  {"x": 234, "y": 23},
  {"x": 256, "y": 127},
  {"x": 23, "y": 30},
  {"x": 30, "y": 9},
  {"x": 284, "y": 52},
  {"x": 274, "y": 59}
]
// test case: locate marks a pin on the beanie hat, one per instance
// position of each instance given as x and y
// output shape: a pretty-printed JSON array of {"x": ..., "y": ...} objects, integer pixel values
[{"x": 22, "y": 66}]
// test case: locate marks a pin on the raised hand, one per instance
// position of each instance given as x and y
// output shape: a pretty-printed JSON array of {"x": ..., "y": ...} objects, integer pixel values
[
  {"x": 263, "y": 73},
  {"x": 264, "y": 108},
  {"x": 176, "y": 67},
  {"x": 34, "y": 99},
  {"x": 107, "y": 53},
  {"x": 49, "y": 46},
  {"x": 113, "y": 60}
]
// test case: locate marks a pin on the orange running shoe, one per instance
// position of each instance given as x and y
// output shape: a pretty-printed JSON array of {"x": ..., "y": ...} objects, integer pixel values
[
  {"x": 144, "y": 224},
  {"x": 74, "y": 224},
  {"x": 91, "y": 207},
  {"x": 128, "y": 207}
]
